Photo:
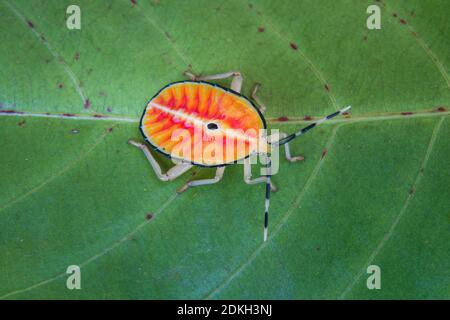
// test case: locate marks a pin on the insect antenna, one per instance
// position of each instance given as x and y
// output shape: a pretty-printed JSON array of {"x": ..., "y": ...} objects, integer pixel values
[
  {"x": 267, "y": 201},
  {"x": 309, "y": 127}
]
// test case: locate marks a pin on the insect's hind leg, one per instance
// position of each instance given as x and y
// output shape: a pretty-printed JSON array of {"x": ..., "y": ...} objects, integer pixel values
[
  {"x": 248, "y": 176},
  {"x": 171, "y": 174},
  {"x": 261, "y": 106},
  {"x": 195, "y": 183},
  {"x": 236, "y": 83}
]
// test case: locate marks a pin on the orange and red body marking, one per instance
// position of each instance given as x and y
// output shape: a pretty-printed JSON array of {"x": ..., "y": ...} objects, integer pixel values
[{"x": 187, "y": 108}]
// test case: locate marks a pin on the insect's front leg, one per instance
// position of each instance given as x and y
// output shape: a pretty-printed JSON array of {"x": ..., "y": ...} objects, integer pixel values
[
  {"x": 171, "y": 174},
  {"x": 261, "y": 106}
]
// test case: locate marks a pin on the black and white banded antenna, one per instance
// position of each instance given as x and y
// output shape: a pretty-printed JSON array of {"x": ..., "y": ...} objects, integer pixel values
[
  {"x": 281, "y": 142},
  {"x": 309, "y": 127},
  {"x": 267, "y": 202}
]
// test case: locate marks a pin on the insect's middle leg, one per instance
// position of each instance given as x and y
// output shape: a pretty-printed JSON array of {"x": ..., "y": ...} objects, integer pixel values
[
  {"x": 195, "y": 183},
  {"x": 287, "y": 149},
  {"x": 236, "y": 82},
  {"x": 171, "y": 174},
  {"x": 248, "y": 176}
]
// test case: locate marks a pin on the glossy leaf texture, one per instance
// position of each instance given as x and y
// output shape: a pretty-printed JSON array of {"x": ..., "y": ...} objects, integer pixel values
[{"x": 373, "y": 189}]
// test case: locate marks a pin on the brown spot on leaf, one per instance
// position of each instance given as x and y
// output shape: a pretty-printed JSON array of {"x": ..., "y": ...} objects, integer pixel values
[
  {"x": 87, "y": 104},
  {"x": 324, "y": 153},
  {"x": 110, "y": 129},
  {"x": 61, "y": 85},
  {"x": 98, "y": 116},
  {"x": 394, "y": 15},
  {"x": 441, "y": 109},
  {"x": 307, "y": 118},
  {"x": 68, "y": 115},
  {"x": 327, "y": 87},
  {"x": 412, "y": 191},
  {"x": 403, "y": 21},
  {"x": 21, "y": 123},
  {"x": 406, "y": 113},
  {"x": 133, "y": 2},
  {"x": 283, "y": 119},
  {"x": 11, "y": 111},
  {"x": 30, "y": 24},
  {"x": 77, "y": 56},
  {"x": 293, "y": 46},
  {"x": 149, "y": 216},
  {"x": 261, "y": 29}
]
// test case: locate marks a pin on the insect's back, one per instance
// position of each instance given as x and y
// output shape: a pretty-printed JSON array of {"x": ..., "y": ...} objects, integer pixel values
[{"x": 202, "y": 123}]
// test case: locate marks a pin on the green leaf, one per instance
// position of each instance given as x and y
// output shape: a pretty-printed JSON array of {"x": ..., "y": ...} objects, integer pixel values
[{"x": 373, "y": 189}]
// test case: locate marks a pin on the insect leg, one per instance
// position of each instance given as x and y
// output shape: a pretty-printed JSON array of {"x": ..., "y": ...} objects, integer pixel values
[
  {"x": 287, "y": 150},
  {"x": 260, "y": 104},
  {"x": 236, "y": 83},
  {"x": 248, "y": 176},
  {"x": 195, "y": 183},
  {"x": 171, "y": 174}
]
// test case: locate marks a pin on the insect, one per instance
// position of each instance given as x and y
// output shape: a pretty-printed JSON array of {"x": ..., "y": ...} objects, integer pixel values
[{"x": 193, "y": 121}]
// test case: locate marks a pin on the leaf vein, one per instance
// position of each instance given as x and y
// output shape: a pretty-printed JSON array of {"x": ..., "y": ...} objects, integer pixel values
[
  {"x": 279, "y": 226},
  {"x": 52, "y": 51},
  {"x": 317, "y": 73},
  {"x": 397, "y": 219},
  {"x": 98, "y": 255},
  {"x": 164, "y": 34},
  {"x": 58, "y": 174}
]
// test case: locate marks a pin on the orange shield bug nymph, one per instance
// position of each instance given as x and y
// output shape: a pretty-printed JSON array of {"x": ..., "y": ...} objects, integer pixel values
[{"x": 198, "y": 123}]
